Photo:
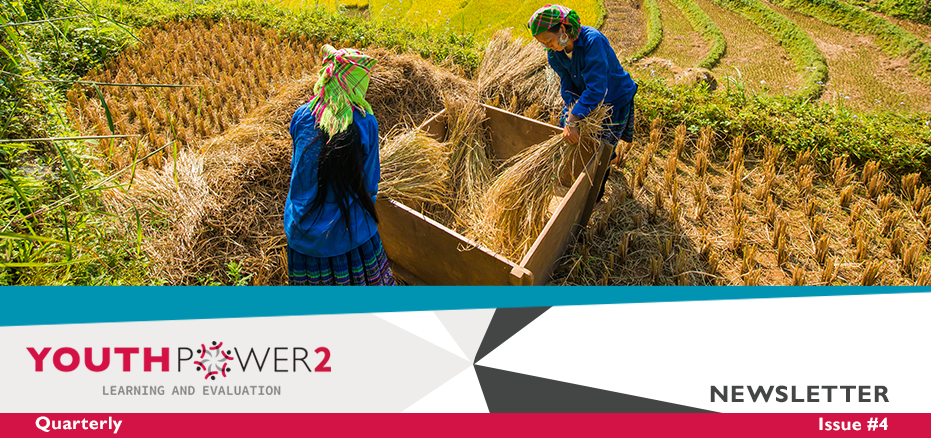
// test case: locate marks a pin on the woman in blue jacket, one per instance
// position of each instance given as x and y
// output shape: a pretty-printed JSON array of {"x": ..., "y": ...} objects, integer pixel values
[
  {"x": 589, "y": 73},
  {"x": 329, "y": 216}
]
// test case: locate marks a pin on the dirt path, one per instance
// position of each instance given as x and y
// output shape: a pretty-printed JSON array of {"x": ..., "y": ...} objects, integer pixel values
[{"x": 625, "y": 26}]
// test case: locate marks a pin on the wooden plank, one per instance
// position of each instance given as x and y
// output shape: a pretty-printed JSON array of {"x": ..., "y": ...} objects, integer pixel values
[
  {"x": 512, "y": 133},
  {"x": 404, "y": 275},
  {"x": 437, "y": 255},
  {"x": 601, "y": 169},
  {"x": 578, "y": 161},
  {"x": 435, "y": 126},
  {"x": 562, "y": 226}
]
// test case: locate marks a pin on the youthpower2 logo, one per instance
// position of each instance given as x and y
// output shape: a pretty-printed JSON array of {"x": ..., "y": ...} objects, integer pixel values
[{"x": 210, "y": 361}]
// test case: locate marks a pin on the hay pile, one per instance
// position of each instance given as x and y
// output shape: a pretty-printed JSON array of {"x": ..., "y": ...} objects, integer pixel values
[
  {"x": 514, "y": 75},
  {"x": 470, "y": 157},
  {"x": 414, "y": 169},
  {"x": 231, "y": 188}
]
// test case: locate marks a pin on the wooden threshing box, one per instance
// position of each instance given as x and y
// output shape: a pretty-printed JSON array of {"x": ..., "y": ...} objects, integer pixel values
[{"x": 423, "y": 251}]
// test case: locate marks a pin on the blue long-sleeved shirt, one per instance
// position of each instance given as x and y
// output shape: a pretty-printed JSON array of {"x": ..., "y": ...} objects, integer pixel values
[
  {"x": 323, "y": 233},
  {"x": 593, "y": 75}
]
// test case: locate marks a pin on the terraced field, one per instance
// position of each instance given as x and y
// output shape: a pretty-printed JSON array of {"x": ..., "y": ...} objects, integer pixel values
[
  {"x": 862, "y": 76},
  {"x": 827, "y": 50},
  {"x": 681, "y": 45},
  {"x": 625, "y": 26},
  {"x": 745, "y": 59}
]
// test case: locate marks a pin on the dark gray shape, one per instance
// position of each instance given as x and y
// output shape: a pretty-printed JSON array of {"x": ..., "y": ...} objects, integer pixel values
[
  {"x": 505, "y": 324},
  {"x": 506, "y": 391}
]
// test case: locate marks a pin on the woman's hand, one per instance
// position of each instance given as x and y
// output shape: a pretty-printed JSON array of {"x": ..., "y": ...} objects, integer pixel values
[
  {"x": 571, "y": 131},
  {"x": 571, "y": 134}
]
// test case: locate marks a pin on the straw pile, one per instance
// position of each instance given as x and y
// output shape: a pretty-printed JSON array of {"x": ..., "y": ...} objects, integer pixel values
[
  {"x": 470, "y": 159},
  {"x": 414, "y": 170},
  {"x": 514, "y": 75}
]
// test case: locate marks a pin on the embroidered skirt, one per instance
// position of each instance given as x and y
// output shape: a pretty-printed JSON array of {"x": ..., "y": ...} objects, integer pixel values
[{"x": 365, "y": 265}]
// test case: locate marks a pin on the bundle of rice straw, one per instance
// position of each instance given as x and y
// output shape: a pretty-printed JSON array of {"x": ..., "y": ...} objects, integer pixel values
[
  {"x": 515, "y": 73},
  {"x": 516, "y": 206},
  {"x": 415, "y": 169},
  {"x": 469, "y": 161}
]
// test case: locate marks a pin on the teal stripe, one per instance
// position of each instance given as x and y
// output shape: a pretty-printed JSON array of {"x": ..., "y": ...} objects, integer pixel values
[{"x": 72, "y": 305}]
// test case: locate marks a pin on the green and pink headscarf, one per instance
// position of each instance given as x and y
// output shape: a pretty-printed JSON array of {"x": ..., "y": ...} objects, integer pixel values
[
  {"x": 551, "y": 15},
  {"x": 343, "y": 81}
]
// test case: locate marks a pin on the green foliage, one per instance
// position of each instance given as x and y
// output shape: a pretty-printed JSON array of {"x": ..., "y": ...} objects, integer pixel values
[
  {"x": 915, "y": 10},
  {"x": 808, "y": 59},
  {"x": 892, "y": 39},
  {"x": 53, "y": 229},
  {"x": 234, "y": 272},
  {"x": 654, "y": 30},
  {"x": 900, "y": 142},
  {"x": 708, "y": 29}
]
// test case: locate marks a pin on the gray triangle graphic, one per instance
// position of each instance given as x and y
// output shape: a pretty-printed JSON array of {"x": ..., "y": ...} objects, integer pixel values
[
  {"x": 506, "y": 391},
  {"x": 467, "y": 327}
]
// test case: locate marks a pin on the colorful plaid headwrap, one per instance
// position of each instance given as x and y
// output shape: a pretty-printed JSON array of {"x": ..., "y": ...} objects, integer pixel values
[
  {"x": 551, "y": 15},
  {"x": 344, "y": 79}
]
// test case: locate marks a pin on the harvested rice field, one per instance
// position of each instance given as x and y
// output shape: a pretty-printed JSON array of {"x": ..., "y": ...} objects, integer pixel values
[
  {"x": 749, "y": 216},
  {"x": 861, "y": 75},
  {"x": 681, "y": 44},
  {"x": 922, "y": 31},
  {"x": 761, "y": 62},
  {"x": 625, "y": 27},
  {"x": 219, "y": 196},
  {"x": 681, "y": 207}
]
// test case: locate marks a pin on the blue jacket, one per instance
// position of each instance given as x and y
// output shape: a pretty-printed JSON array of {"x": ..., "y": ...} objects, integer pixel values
[
  {"x": 593, "y": 75},
  {"x": 323, "y": 233}
]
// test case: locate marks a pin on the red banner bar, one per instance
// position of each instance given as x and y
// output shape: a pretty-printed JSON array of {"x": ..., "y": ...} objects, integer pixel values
[{"x": 465, "y": 425}]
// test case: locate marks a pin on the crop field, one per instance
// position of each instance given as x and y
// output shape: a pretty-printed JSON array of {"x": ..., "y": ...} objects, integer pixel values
[
  {"x": 713, "y": 215},
  {"x": 745, "y": 45},
  {"x": 684, "y": 208},
  {"x": 625, "y": 27},
  {"x": 479, "y": 16},
  {"x": 826, "y": 51},
  {"x": 681, "y": 45},
  {"x": 862, "y": 76}
]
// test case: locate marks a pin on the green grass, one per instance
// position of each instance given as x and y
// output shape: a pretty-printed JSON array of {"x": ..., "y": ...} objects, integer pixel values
[
  {"x": 901, "y": 142},
  {"x": 709, "y": 30},
  {"x": 808, "y": 59},
  {"x": 591, "y": 13},
  {"x": 915, "y": 10}
]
